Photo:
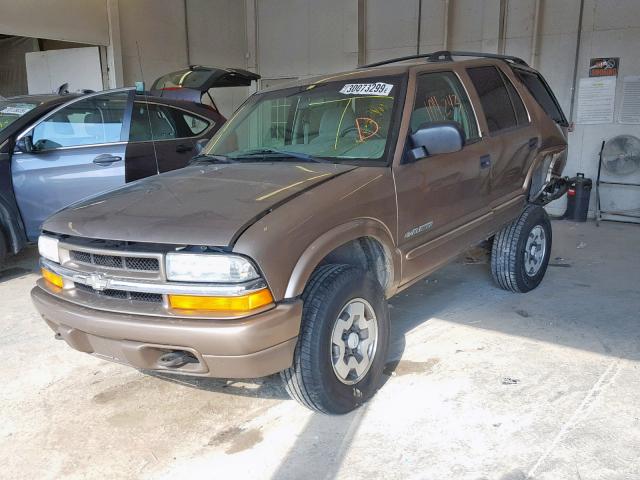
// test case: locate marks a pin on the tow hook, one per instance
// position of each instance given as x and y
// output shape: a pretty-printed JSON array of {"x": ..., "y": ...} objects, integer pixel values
[{"x": 176, "y": 359}]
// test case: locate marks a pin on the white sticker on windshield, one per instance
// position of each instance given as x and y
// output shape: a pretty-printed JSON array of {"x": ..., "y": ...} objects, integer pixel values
[
  {"x": 378, "y": 88},
  {"x": 15, "y": 110}
]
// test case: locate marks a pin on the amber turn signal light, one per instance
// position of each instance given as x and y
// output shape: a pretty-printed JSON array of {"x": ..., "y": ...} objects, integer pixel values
[
  {"x": 52, "y": 278},
  {"x": 243, "y": 303}
]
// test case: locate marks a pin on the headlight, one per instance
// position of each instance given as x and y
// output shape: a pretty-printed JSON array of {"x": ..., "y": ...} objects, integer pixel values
[
  {"x": 48, "y": 248},
  {"x": 209, "y": 267}
]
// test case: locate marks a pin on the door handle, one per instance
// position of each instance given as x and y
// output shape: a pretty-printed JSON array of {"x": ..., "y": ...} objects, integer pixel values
[
  {"x": 106, "y": 159},
  {"x": 533, "y": 142},
  {"x": 183, "y": 148},
  {"x": 485, "y": 161}
]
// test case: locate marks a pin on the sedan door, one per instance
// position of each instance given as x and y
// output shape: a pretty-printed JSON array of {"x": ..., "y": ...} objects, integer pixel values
[
  {"x": 74, "y": 152},
  {"x": 164, "y": 134}
]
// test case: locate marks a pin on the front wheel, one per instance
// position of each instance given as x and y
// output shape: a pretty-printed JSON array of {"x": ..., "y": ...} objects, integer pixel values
[
  {"x": 3, "y": 249},
  {"x": 521, "y": 250},
  {"x": 343, "y": 340}
]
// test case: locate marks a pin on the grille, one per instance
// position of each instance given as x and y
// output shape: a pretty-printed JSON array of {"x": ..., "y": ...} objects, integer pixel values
[
  {"x": 121, "y": 294},
  {"x": 115, "y": 261}
]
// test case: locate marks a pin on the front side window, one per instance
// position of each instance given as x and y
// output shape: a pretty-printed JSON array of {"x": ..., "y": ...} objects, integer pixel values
[
  {"x": 441, "y": 97},
  {"x": 93, "y": 120},
  {"x": 494, "y": 97},
  {"x": 335, "y": 121}
]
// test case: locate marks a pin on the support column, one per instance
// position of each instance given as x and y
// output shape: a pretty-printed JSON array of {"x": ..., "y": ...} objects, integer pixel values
[
  {"x": 114, "y": 49},
  {"x": 362, "y": 32},
  {"x": 535, "y": 33}
]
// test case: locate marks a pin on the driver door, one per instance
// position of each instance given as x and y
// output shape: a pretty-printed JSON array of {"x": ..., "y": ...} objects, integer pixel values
[{"x": 76, "y": 151}]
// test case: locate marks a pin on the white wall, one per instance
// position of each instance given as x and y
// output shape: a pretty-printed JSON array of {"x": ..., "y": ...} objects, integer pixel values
[
  {"x": 391, "y": 29},
  {"x": 218, "y": 37},
  {"x": 298, "y": 38},
  {"x": 158, "y": 28},
  {"x": 609, "y": 29},
  {"x": 302, "y": 38},
  {"x": 83, "y": 21}
]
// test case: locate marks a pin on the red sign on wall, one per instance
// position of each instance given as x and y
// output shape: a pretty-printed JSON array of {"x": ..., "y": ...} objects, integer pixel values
[{"x": 604, "y": 67}]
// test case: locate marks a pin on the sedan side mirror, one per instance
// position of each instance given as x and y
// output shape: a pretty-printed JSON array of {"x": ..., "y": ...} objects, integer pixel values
[
  {"x": 200, "y": 144},
  {"x": 435, "y": 137},
  {"x": 25, "y": 144}
]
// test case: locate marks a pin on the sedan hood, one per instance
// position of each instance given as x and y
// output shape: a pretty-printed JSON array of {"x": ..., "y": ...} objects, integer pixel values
[{"x": 198, "y": 205}]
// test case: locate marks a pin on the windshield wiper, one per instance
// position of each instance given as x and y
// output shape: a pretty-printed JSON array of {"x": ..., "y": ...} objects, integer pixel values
[
  {"x": 270, "y": 153},
  {"x": 206, "y": 158}
]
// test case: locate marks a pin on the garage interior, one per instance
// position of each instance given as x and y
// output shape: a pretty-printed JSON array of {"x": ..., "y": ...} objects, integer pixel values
[{"x": 480, "y": 383}]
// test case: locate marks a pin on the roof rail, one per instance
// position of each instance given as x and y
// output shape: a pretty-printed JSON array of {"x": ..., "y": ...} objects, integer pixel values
[{"x": 447, "y": 56}]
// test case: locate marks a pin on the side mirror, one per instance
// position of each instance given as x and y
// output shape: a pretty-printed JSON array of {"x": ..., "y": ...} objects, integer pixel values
[
  {"x": 434, "y": 138},
  {"x": 25, "y": 144},
  {"x": 200, "y": 144}
]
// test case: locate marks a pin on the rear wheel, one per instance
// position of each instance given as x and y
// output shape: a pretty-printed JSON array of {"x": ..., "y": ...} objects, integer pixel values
[
  {"x": 521, "y": 250},
  {"x": 342, "y": 345}
]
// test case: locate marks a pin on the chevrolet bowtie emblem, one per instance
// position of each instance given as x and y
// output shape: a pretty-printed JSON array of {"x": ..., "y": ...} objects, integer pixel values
[{"x": 97, "y": 281}]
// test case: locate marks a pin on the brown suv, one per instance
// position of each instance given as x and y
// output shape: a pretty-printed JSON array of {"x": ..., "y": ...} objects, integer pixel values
[{"x": 276, "y": 250}]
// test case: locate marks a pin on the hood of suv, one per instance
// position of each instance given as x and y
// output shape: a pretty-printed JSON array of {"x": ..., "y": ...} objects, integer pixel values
[{"x": 197, "y": 205}]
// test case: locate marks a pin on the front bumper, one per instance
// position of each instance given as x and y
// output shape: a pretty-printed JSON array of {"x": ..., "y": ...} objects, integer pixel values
[{"x": 249, "y": 347}]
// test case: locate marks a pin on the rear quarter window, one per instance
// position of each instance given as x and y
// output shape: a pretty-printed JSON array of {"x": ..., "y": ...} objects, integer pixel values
[
  {"x": 542, "y": 93},
  {"x": 522, "y": 117}
]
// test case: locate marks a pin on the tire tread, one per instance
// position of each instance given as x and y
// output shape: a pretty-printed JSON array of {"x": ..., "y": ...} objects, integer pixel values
[
  {"x": 294, "y": 377},
  {"x": 504, "y": 253}
]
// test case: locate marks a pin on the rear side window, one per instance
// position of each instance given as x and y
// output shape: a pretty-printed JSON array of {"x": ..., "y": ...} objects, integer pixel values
[
  {"x": 496, "y": 101},
  {"x": 150, "y": 121},
  {"x": 542, "y": 93}
]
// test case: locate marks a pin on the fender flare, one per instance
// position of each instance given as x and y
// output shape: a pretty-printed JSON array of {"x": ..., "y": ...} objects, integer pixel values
[{"x": 336, "y": 237}]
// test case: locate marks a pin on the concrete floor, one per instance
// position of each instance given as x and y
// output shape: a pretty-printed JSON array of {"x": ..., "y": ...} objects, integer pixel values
[{"x": 489, "y": 385}]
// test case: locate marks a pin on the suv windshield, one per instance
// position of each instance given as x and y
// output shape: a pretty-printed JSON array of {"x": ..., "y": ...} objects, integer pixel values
[
  {"x": 10, "y": 111},
  {"x": 335, "y": 121}
]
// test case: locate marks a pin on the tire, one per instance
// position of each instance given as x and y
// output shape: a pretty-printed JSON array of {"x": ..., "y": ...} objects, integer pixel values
[
  {"x": 3, "y": 249},
  {"x": 512, "y": 267},
  {"x": 313, "y": 379}
]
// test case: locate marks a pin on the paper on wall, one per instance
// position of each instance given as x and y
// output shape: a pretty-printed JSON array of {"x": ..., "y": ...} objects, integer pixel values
[
  {"x": 630, "y": 110},
  {"x": 596, "y": 100}
]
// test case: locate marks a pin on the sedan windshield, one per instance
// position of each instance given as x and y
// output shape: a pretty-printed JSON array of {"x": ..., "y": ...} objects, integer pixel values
[
  {"x": 11, "y": 111},
  {"x": 335, "y": 121}
]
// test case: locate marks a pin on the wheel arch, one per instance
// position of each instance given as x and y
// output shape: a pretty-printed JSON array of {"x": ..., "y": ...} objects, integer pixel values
[
  {"x": 364, "y": 242},
  {"x": 12, "y": 231},
  {"x": 547, "y": 163}
]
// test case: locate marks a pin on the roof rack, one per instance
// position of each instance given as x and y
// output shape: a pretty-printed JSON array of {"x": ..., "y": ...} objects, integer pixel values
[{"x": 447, "y": 56}]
